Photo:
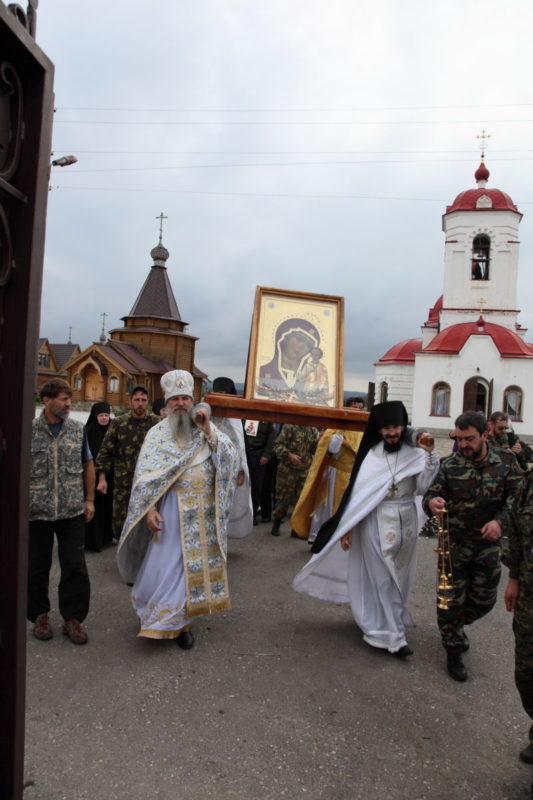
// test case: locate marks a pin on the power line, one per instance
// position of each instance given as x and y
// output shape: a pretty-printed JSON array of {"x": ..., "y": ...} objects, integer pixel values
[
  {"x": 289, "y": 164},
  {"x": 293, "y": 109},
  {"x": 277, "y": 152},
  {"x": 287, "y": 123},
  {"x": 264, "y": 194}
]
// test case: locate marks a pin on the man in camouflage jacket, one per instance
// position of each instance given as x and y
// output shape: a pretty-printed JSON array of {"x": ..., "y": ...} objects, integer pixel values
[
  {"x": 476, "y": 485},
  {"x": 294, "y": 448},
  {"x": 519, "y": 597},
  {"x": 504, "y": 439},
  {"x": 119, "y": 452},
  {"x": 61, "y": 501}
]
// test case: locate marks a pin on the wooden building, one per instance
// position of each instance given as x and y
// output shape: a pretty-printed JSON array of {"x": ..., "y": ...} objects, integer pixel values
[
  {"x": 51, "y": 359},
  {"x": 152, "y": 341}
]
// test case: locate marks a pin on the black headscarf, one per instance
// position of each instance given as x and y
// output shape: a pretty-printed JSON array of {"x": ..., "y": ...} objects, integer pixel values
[
  {"x": 225, "y": 385},
  {"x": 381, "y": 415},
  {"x": 158, "y": 405},
  {"x": 95, "y": 431}
]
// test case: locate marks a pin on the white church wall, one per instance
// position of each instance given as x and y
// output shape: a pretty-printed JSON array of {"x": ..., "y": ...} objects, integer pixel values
[
  {"x": 399, "y": 380},
  {"x": 460, "y": 291},
  {"x": 479, "y": 357}
]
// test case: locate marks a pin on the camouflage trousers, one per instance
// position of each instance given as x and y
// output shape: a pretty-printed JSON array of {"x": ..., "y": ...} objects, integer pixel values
[
  {"x": 523, "y": 632},
  {"x": 121, "y": 499},
  {"x": 289, "y": 484},
  {"x": 476, "y": 573}
]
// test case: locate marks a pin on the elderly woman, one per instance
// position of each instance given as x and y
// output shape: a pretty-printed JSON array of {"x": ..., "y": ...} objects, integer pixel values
[{"x": 99, "y": 532}]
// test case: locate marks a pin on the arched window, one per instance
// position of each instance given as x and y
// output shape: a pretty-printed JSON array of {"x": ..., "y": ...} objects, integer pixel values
[
  {"x": 77, "y": 381},
  {"x": 512, "y": 402},
  {"x": 113, "y": 383},
  {"x": 383, "y": 392},
  {"x": 440, "y": 400},
  {"x": 480, "y": 258}
]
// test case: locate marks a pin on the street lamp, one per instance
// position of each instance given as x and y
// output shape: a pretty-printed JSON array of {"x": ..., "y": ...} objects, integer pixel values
[{"x": 64, "y": 161}]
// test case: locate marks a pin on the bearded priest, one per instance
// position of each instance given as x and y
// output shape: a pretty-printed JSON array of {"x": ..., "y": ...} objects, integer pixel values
[
  {"x": 365, "y": 554},
  {"x": 173, "y": 544}
]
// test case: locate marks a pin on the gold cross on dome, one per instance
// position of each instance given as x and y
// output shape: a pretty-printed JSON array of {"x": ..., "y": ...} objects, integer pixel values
[{"x": 483, "y": 137}]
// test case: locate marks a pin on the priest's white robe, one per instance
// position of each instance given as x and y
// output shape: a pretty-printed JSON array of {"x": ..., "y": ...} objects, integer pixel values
[
  {"x": 241, "y": 518},
  {"x": 179, "y": 572},
  {"x": 375, "y": 576}
]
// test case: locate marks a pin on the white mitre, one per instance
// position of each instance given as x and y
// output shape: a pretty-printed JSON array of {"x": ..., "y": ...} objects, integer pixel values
[{"x": 179, "y": 381}]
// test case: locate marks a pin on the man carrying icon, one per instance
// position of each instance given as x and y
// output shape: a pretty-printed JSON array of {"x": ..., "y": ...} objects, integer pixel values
[{"x": 173, "y": 545}]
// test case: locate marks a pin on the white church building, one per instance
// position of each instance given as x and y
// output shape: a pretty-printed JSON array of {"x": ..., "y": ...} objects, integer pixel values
[{"x": 472, "y": 354}]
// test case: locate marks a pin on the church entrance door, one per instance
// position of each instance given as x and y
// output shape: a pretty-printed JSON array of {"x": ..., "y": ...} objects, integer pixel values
[
  {"x": 477, "y": 395},
  {"x": 94, "y": 384}
]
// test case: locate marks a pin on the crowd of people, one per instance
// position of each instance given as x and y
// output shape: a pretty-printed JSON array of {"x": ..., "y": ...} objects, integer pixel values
[{"x": 169, "y": 487}]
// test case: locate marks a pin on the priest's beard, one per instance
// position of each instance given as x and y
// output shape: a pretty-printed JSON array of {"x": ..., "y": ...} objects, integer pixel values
[
  {"x": 181, "y": 426},
  {"x": 393, "y": 447}
]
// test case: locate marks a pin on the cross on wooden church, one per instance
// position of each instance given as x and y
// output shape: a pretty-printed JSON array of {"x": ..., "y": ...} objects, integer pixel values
[{"x": 161, "y": 217}]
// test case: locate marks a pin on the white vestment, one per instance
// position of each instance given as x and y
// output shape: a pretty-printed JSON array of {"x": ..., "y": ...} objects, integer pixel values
[
  {"x": 241, "y": 518},
  {"x": 178, "y": 572},
  {"x": 376, "y": 574}
]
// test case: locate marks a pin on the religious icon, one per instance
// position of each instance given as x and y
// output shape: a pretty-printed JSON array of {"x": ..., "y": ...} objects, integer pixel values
[{"x": 295, "y": 349}]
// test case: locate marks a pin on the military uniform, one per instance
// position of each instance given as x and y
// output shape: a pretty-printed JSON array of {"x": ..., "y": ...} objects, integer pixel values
[
  {"x": 503, "y": 443},
  {"x": 300, "y": 440},
  {"x": 475, "y": 492},
  {"x": 520, "y": 563},
  {"x": 57, "y": 492},
  {"x": 119, "y": 452}
]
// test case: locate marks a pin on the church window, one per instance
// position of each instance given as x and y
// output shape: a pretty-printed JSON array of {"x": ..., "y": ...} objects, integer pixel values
[
  {"x": 480, "y": 258},
  {"x": 113, "y": 383},
  {"x": 440, "y": 400},
  {"x": 43, "y": 360},
  {"x": 77, "y": 381},
  {"x": 383, "y": 392},
  {"x": 512, "y": 402}
]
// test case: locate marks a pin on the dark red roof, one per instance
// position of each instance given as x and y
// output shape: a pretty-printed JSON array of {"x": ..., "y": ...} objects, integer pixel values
[
  {"x": 452, "y": 340},
  {"x": 466, "y": 201},
  {"x": 402, "y": 353},
  {"x": 63, "y": 352},
  {"x": 433, "y": 316}
]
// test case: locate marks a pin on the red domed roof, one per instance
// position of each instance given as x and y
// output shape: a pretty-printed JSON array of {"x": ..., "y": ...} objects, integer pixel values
[
  {"x": 467, "y": 201},
  {"x": 433, "y": 316},
  {"x": 402, "y": 353},
  {"x": 452, "y": 340},
  {"x": 482, "y": 173}
]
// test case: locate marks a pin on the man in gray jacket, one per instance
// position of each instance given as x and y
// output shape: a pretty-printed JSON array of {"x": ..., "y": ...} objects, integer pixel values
[{"x": 61, "y": 500}]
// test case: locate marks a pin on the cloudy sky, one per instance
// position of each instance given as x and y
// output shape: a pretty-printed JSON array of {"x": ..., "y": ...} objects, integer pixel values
[{"x": 302, "y": 144}]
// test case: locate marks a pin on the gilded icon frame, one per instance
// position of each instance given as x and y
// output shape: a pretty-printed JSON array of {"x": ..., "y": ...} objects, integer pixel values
[{"x": 296, "y": 352}]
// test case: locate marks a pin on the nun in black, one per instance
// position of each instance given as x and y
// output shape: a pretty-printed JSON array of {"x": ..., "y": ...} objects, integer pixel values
[{"x": 99, "y": 531}]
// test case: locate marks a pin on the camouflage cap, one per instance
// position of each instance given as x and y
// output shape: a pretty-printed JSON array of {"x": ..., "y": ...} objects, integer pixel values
[{"x": 179, "y": 381}]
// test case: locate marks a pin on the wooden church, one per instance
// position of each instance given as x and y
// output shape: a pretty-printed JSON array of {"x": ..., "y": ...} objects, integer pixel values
[{"x": 152, "y": 341}]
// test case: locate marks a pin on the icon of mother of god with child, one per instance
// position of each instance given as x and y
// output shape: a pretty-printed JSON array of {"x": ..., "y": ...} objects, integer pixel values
[{"x": 296, "y": 373}]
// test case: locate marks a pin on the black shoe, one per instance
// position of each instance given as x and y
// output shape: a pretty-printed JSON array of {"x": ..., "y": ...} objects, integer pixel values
[
  {"x": 185, "y": 640},
  {"x": 456, "y": 668},
  {"x": 266, "y": 519},
  {"x": 294, "y": 535},
  {"x": 404, "y": 651},
  {"x": 275, "y": 527},
  {"x": 526, "y": 755}
]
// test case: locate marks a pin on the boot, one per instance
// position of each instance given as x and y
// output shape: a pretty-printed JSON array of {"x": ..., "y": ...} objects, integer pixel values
[
  {"x": 275, "y": 527},
  {"x": 456, "y": 668}
]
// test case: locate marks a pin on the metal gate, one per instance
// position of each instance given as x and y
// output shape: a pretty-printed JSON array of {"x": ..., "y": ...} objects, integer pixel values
[{"x": 26, "y": 109}]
